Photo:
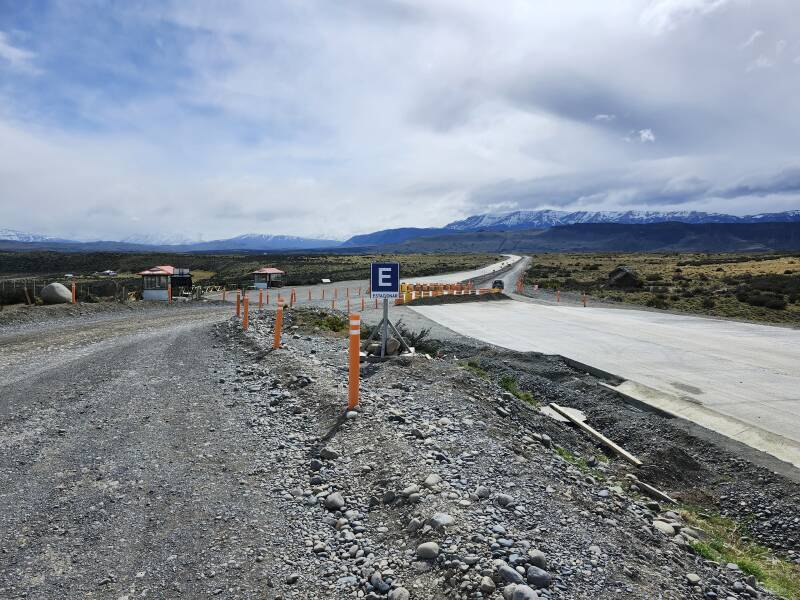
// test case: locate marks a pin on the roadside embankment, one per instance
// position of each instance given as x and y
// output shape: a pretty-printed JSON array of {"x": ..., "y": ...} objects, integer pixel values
[{"x": 448, "y": 482}]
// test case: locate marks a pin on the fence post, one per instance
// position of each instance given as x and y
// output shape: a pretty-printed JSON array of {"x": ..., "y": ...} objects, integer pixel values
[
  {"x": 260, "y": 299},
  {"x": 238, "y": 303},
  {"x": 309, "y": 294},
  {"x": 362, "y": 304},
  {"x": 355, "y": 359},
  {"x": 276, "y": 343},
  {"x": 584, "y": 299},
  {"x": 246, "y": 318},
  {"x": 223, "y": 293},
  {"x": 558, "y": 295},
  {"x": 169, "y": 293},
  {"x": 323, "y": 293}
]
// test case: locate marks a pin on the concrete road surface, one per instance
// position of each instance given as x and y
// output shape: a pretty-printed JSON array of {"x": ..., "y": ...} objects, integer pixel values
[
  {"x": 352, "y": 287},
  {"x": 740, "y": 379}
]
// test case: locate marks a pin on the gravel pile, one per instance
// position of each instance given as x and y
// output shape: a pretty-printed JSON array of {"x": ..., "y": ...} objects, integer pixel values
[
  {"x": 689, "y": 462},
  {"x": 441, "y": 485}
]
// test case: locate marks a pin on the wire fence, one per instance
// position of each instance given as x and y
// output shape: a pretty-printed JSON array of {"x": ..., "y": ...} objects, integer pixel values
[{"x": 27, "y": 290}]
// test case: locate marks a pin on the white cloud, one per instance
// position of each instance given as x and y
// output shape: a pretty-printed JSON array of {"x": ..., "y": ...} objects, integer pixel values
[
  {"x": 762, "y": 62},
  {"x": 756, "y": 35},
  {"x": 662, "y": 16},
  {"x": 319, "y": 118},
  {"x": 16, "y": 58},
  {"x": 646, "y": 135}
]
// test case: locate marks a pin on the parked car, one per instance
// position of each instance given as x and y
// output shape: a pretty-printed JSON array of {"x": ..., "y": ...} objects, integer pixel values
[{"x": 498, "y": 284}]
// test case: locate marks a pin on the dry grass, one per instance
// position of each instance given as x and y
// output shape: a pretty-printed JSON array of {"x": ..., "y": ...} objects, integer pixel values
[{"x": 721, "y": 285}]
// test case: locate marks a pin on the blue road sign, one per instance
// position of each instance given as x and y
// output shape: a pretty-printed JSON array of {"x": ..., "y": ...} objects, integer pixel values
[{"x": 384, "y": 281}]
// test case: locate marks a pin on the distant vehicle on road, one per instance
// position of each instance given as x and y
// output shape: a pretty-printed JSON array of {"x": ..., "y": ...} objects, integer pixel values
[{"x": 498, "y": 284}]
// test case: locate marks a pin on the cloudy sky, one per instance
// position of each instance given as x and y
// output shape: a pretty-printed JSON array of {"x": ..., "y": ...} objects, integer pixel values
[{"x": 325, "y": 119}]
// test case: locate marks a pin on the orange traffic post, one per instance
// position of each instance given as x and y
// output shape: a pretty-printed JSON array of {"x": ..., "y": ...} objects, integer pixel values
[
  {"x": 74, "y": 293},
  {"x": 355, "y": 359},
  {"x": 260, "y": 299},
  {"x": 276, "y": 343},
  {"x": 238, "y": 303},
  {"x": 169, "y": 293},
  {"x": 246, "y": 317}
]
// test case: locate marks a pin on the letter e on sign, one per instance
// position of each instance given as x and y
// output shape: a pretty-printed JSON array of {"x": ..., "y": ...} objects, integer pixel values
[{"x": 384, "y": 280}]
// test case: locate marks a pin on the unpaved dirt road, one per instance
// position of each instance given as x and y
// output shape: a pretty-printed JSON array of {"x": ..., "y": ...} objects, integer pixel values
[{"x": 123, "y": 472}]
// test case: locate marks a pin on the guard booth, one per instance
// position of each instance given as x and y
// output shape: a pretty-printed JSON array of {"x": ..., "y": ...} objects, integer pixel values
[
  {"x": 157, "y": 281},
  {"x": 268, "y": 277}
]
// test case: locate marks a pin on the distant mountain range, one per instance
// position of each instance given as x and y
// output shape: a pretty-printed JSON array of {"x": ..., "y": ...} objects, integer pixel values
[
  {"x": 542, "y": 219},
  {"x": 545, "y": 219},
  {"x": 617, "y": 237},
  {"x": 19, "y": 236},
  {"x": 451, "y": 236},
  {"x": 17, "y": 240}
]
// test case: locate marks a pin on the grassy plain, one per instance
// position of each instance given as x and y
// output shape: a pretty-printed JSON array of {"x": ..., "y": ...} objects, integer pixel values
[
  {"x": 754, "y": 287},
  {"x": 234, "y": 269}
]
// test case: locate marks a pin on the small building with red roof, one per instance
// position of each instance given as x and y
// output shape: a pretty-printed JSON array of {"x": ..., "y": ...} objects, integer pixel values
[
  {"x": 268, "y": 277},
  {"x": 157, "y": 282}
]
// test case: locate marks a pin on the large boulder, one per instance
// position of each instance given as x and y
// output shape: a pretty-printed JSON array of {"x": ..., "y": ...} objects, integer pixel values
[
  {"x": 624, "y": 277},
  {"x": 55, "y": 293}
]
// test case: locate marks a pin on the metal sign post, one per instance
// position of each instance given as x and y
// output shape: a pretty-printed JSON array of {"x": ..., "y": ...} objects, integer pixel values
[{"x": 384, "y": 283}]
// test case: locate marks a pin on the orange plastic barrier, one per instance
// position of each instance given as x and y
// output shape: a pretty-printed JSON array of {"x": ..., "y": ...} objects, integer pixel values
[
  {"x": 276, "y": 342},
  {"x": 355, "y": 359}
]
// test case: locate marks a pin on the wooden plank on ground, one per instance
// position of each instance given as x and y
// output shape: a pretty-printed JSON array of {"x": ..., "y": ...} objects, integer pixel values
[{"x": 617, "y": 449}]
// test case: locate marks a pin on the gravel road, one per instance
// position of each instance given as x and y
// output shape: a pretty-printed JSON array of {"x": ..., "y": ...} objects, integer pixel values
[{"x": 123, "y": 471}]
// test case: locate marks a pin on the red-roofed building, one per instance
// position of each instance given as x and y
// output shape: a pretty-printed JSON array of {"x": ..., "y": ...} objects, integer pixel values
[
  {"x": 156, "y": 282},
  {"x": 268, "y": 277}
]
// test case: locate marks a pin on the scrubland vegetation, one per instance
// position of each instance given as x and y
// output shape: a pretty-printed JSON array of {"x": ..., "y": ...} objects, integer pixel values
[{"x": 756, "y": 287}]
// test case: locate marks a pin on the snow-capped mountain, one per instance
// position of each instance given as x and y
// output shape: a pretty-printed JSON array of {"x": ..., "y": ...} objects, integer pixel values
[
  {"x": 155, "y": 239},
  {"x": 543, "y": 219},
  {"x": 20, "y": 236},
  {"x": 259, "y": 241}
]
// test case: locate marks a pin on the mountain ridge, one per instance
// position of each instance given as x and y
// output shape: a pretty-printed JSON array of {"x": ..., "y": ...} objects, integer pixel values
[
  {"x": 520, "y": 220},
  {"x": 540, "y": 219}
]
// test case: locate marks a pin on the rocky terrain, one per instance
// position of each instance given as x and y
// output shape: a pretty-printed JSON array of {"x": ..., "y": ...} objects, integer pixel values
[
  {"x": 442, "y": 485},
  {"x": 164, "y": 453}
]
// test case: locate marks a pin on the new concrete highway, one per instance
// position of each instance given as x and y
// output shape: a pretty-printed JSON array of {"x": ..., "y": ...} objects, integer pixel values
[{"x": 739, "y": 379}]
